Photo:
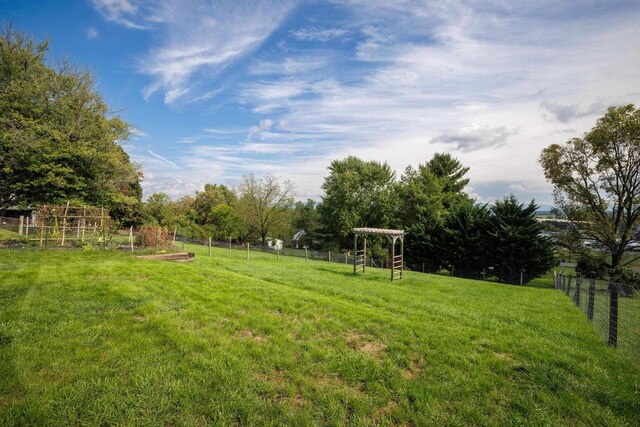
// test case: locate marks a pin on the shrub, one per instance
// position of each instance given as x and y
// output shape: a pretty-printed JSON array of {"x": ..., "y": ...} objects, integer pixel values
[
  {"x": 625, "y": 276},
  {"x": 590, "y": 264}
]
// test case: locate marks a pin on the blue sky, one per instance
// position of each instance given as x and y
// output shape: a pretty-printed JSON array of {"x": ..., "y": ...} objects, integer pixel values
[{"x": 218, "y": 89}]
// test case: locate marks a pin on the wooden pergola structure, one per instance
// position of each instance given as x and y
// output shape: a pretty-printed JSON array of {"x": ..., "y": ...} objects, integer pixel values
[{"x": 393, "y": 236}]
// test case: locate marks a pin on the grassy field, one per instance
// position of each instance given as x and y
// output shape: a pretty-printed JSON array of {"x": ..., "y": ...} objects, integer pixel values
[{"x": 103, "y": 338}]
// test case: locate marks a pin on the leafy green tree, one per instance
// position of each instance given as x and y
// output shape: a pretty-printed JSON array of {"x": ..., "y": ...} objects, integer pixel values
[
  {"x": 58, "y": 140},
  {"x": 357, "y": 194},
  {"x": 158, "y": 208},
  {"x": 213, "y": 211},
  {"x": 305, "y": 217},
  {"x": 514, "y": 243},
  {"x": 597, "y": 180},
  {"x": 264, "y": 204}
]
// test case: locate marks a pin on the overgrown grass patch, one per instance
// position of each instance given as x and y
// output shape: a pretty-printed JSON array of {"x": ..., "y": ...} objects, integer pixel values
[{"x": 104, "y": 338}]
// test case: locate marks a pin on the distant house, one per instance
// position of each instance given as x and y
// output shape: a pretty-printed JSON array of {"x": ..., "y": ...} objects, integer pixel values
[
  {"x": 296, "y": 240},
  {"x": 274, "y": 244}
]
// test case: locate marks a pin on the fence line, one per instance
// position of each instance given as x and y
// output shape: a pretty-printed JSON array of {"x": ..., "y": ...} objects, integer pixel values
[{"x": 612, "y": 308}]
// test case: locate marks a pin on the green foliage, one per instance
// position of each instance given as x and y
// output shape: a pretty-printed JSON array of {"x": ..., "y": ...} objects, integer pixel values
[
  {"x": 264, "y": 205},
  {"x": 357, "y": 194},
  {"x": 58, "y": 140},
  {"x": 305, "y": 217},
  {"x": 514, "y": 244},
  {"x": 462, "y": 240},
  {"x": 449, "y": 171},
  {"x": 625, "y": 276},
  {"x": 597, "y": 179},
  {"x": 591, "y": 264}
]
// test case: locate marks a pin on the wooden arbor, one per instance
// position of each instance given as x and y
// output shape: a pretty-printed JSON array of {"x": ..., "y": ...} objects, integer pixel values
[{"x": 360, "y": 256}]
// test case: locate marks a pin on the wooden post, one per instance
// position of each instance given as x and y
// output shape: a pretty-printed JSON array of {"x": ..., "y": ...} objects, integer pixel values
[
  {"x": 355, "y": 252},
  {"x": 229, "y": 243},
  {"x": 78, "y": 232},
  {"x": 175, "y": 230},
  {"x": 27, "y": 232},
  {"x": 568, "y": 290},
  {"x": 131, "y": 238},
  {"x": 401, "y": 257},
  {"x": 277, "y": 254},
  {"x": 64, "y": 228},
  {"x": 576, "y": 297},
  {"x": 155, "y": 245},
  {"x": 247, "y": 251},
  {"x": 20, "y": 225},
  {"x": 306, "y": 258},
  {"x": 209, "y": 245},
  {"x": 329, "y": 256},
  {"x": 364, "y": 254},
  {"x": 393, "y": 256}
]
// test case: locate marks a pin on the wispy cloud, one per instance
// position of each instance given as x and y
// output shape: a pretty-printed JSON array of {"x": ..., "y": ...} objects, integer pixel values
[
  {"x": 91, "y": 33},
  {"x": 318, "y": 34},
  {"x": 565, "y": 113},
  {"x": 164, "y": 160},
  {"x": 492, "y": 83},
  {"x": 122, "y": 12}
]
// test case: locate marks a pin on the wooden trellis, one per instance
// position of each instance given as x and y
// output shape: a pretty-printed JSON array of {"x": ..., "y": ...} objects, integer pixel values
[
  {"x": 393, "y": 236},
  {"x": 65, "y": 222}
]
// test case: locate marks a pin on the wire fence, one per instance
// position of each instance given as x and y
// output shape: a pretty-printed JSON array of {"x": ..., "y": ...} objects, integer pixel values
[
  {"x": 613, "y": 309},
  {"x": 21, "y": 234}
]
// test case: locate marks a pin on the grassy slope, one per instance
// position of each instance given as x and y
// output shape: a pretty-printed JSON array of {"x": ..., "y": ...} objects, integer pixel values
[{"x": 104, "y": 339}]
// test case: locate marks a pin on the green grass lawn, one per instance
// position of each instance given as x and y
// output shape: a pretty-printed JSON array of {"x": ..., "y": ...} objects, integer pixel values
[{"x": 103, "y": 338}]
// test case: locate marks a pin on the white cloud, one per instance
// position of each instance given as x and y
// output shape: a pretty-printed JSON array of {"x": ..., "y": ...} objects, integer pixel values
[
  {"x": 91, "y": 33},
  {"x": 492, "y": 84},
  {"x": 122, "y": 12},
  {"x": 475, "y": 137},
  {"x": 318, "y": 34}
]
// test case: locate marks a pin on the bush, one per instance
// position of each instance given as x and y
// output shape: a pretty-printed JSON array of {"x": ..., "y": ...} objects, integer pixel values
[
  {"x": 590, "y": 264},
  {"x": 625, "y": 276}
]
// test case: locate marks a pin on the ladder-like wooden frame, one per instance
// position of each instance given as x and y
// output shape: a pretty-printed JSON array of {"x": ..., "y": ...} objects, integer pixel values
[{"x": 393, "y": 236}]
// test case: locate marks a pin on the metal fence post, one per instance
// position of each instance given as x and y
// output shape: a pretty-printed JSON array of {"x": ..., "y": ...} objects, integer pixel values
[
  {"x": 568, "y": 290},
  {"x": 613, "y": 314},
  {"x": 564, "y": 281},
  {"x": 592, "y": 296},
  {"x": 576, "y": 297}
]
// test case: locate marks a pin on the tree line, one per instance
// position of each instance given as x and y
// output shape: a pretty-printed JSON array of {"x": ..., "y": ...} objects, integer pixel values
[{"x": 446, "y": 228}]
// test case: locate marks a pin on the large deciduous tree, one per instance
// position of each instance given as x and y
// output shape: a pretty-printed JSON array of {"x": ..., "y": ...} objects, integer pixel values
[
  {"x": 58, "y": 140},
  {"x": 357, "y": 194},
  {"x": 597, "y": 179},
  {"x": 264, "y": 204}
]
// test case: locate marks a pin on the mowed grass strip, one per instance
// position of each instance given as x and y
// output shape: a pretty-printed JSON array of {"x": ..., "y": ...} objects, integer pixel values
[{"x": 104, "y": 338}]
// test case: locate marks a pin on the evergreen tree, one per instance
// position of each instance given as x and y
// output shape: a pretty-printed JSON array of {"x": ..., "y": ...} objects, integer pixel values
[{"x": 514, "y": 242}]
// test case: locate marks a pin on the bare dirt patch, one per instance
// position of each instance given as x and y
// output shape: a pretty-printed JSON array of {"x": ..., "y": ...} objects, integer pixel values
[
  {"x": 361, "y": 342},
  {"x": 249, "y": 334},
  {"x": 413, "y": 371},
  {"x": 503, "y": 356}
]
